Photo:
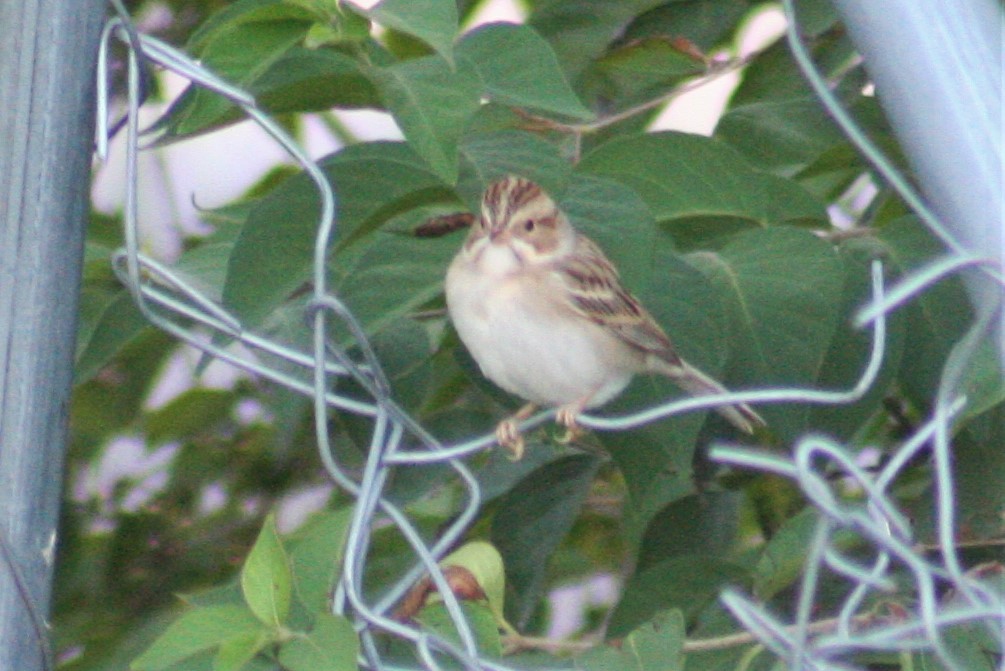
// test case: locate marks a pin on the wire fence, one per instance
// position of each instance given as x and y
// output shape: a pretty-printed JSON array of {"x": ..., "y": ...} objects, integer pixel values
[{"x": 179, "y": 308}]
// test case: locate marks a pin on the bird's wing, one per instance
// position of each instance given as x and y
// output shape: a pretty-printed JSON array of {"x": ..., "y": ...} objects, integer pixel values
[{"x": 593, "y": 290}]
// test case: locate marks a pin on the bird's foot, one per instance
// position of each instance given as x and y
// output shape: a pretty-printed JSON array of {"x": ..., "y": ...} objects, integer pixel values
[
  {"x": 509, "y": 438},
  {"x": 567, "y": 417},
  {"x": 508, "y": 432}
]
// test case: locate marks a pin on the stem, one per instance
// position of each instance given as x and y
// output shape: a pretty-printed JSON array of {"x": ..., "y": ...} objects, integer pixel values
[
  {"x": 517, "y": 642},
  {"x": 714, "y": 71},
  {"x": 745, "y": 637}
]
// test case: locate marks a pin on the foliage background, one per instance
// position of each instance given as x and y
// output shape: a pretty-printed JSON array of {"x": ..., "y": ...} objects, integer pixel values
[{"x": 728, "y": 240}]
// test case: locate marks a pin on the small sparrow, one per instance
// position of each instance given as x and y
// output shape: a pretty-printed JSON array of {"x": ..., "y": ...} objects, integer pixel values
[{"x": 543, "y": 312}]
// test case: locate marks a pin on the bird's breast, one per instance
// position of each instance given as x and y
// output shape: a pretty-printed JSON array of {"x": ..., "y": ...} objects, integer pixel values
[{"x": 525, "y": 341}]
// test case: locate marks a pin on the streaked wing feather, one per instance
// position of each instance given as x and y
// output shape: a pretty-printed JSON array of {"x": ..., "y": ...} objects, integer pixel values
[{"x": 595, "y": 291}]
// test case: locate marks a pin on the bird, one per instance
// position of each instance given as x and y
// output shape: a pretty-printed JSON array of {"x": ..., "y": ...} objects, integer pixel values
[{"x": 544, "y": 314}]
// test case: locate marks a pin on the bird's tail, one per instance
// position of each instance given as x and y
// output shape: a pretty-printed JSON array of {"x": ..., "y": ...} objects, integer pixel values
[{"x": 697, "y": 383}]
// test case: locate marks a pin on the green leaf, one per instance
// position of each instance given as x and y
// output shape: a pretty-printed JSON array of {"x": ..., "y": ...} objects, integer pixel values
[
  {"x": 274, "y": 253},
  {"x": 782, "y": 288},
  {"x": 936, "y": 319},
  {"x": 499, "y": 474},
  {"x": 204, "y": 268},
  {"x": 432, "y": 103},
  {"x": 580, "y": 30},
  {"x": 257, "y": 45},
  {"x": 775, "y": 76},
  {"x": 784, "y": 557},
  {"x": 323, "y": 10},
  {"x": 978, "y": 471},
  {"x": 375, "y": 181},
  {"x": 688, "y": 582},
  {"x": 659, "y": 643},
  {"x": 266, "y": 581},
  {"x": 791, "y": 203},
  {"x": 656, "y": 645},
  {"x": 297, "y": 79},
  {"x": 313, "y": 79},
  {"x": 337, "y": 23},
  {"x": 706, "y": 24},
  {"x": 703, "y": 523},
  {"x": 487, "y": 157},
  {"x": 316, "y": 557},
  {"x": 220, "y": 25},
  {"x": 782, "y": 135},
  {"x": 656, "y": 459},
  {"x": 431, "y": 21},
  {"x": 107, "y": 404},
  {"x": 775, "y": 119},
  {"x": 197, "y": 630},
  {"x": 842, "y": 163},
  {"x": 519, "y": 68},
  {"x": 272, "y": 256},
  {"x": 406, "y": 355},
  {"x": 239, "y": 51},
  {"x": 971, "y": 646},
  {"x": 531, "y": 522},
  {"x": 98, "y": 255},
  {"x": 108, "y": 322},
  {"x": 236, "y": 652},
  {"x": 851, "y": 347},
  {"x": 486, "y": 565},
  {"x": 984, "y": 379},
  {"x": 480, "y": 618},
  {"x": 225, "y": 594},
  {"x": 193, "y": 411},
  {"x": 680, "y": 175},
  {"x": 395, "y": 276},
  {"x": 332, "y": 645},
  {"x": 815, "y": 16},
  {"x": 641, "y": 70}
]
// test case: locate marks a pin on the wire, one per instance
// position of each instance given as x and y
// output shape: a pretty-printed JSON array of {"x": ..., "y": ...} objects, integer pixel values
[{"x": 181, "y": 309}]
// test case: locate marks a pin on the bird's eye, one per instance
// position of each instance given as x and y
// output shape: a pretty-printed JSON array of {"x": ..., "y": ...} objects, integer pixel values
[{"x": 528, "y": 225}]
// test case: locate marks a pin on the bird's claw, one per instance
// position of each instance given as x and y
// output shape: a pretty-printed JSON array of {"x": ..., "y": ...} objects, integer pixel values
[
  {"x": 567, "y": 418},
  {"x": 509, "y": 438}
]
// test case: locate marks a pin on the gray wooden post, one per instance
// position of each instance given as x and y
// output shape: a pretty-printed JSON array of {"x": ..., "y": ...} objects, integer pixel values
[
  {"x": 47, "y": 60},
  {"x": 938, "y": 68}
]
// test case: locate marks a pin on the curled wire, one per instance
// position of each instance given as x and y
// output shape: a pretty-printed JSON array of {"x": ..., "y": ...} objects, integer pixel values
[
  {"x": 179, "y": 308},
  {"x": 174, "y": 305},
  {"x": 879, "y": 521}
]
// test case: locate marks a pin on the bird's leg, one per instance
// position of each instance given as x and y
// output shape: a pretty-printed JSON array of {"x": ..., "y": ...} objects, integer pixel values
[
  {"x": 508, "y": 433},
  {"x": 566, "y": 416}
]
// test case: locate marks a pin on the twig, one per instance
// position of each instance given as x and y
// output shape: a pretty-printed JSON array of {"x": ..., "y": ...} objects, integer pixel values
[
  {"x": 715, "y": 71},
  {"x": 962, "y": 545},
  {"x": 518, "y": 643},
  {"x": 745, "y": 637}
]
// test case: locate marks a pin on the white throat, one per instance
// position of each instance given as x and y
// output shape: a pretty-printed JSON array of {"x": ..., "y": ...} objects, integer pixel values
[{"x": 497, "y": 260}]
